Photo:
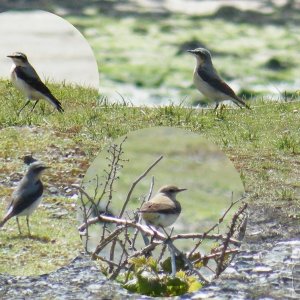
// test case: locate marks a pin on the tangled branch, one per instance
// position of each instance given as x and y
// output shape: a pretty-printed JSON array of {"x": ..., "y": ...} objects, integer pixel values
[{"x": 124, "y": 238}]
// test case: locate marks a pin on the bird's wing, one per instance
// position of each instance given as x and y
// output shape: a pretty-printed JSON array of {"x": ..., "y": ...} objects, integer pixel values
[
  {"x": 151, "y": 207},
  {"x": 33, "y": 81},
  {"x": 36, "y": 83},
  {"x": 219, "y": 84},
  {"x": 22, "y": 198}
]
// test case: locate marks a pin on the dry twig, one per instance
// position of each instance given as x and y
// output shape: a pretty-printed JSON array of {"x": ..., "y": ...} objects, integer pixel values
[{"x": 123, "y": 233}]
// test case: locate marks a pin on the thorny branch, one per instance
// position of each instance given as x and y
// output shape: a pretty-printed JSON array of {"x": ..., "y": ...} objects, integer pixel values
[
  {"x": 122, "y": 236},
  {"x": 112, "y": 250},
  {"x": 139, "y": 217},
  {"x": 149, "y": 232},
  {"x": 230, "y": 233},
  {"x": 136, "y": 182},
  {"x": 206, "y": 234},
  {"x": 159, "y": 240}
]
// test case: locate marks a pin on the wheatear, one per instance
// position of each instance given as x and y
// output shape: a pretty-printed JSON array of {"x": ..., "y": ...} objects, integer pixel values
[
  {"x": 209, "y": 83},
  {"x": 25, "y": 78},
  {"x": 27, "y": 195},
  {"x": 163, "y": 209}
]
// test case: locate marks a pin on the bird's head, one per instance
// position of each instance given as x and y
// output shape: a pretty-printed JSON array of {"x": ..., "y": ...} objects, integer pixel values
[
  {"x": 36, "y": 169},
  {"x": 170, "y": 190},
  {"x": 18, "y": 58},
  {"x": 28, "y": 159},
  {"x": 202, "y": 55}
]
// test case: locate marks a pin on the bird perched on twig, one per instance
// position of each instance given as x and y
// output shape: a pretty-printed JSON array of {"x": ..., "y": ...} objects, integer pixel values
[
  {"x": 27, "y": 195},
  {"x": 163, "y": 209},
  {"x": 25, "y": 78},
  {"x": 209, "y": 83}
]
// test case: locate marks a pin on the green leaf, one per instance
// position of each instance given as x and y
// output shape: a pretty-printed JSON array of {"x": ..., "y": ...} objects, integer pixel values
[{"x": 150, "y": 285}]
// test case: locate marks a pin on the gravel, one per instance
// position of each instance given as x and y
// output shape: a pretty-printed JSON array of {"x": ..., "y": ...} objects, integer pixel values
[{"x": 262, "y": 270}]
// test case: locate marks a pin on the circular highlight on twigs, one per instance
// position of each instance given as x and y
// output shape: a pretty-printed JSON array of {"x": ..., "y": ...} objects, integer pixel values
[{"x": 162, "y": 210}]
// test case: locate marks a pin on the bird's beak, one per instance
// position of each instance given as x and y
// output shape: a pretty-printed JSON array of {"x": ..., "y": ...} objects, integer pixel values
[
  {"x": 10, "y": 56},
  {"x": 181, "y": 190},
  {"x": 46, "y": 167},
  {"x": 191, "y": 51}
]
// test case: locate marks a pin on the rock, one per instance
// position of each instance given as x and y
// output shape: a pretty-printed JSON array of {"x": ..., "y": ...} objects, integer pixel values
[
  {"x": 53, "y": 190},
  {"x": 262, "y": 269}
]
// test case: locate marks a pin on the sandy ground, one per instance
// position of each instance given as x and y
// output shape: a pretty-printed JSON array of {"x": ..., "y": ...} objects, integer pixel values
[{"x": 56, "y": 49}]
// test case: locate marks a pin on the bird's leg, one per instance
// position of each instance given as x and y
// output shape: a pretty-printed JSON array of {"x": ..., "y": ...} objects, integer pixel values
[
  {"x": 18, "y": 225},
  {"x": 217, "y": 105},
  {"x": 34, "y": 105},
  {"x": 24, "y": 106},
  {"x": 168, "y": 235},
  {"x": 238, "y": 104},
  {"x": 27, "y": 221},
  {"x": 222, "y": 108}
]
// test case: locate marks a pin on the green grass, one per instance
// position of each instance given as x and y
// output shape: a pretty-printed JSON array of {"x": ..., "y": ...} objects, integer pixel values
[
  {"x": 263, "y": 144},
  {"x": 53, "y": 243},
  {"x": 149, "y": 52}
]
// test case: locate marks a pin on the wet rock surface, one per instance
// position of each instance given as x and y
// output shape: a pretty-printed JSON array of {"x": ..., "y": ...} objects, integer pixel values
[
  {"x": 262, "y": 270},
  {"x": 79, "y": 280}
]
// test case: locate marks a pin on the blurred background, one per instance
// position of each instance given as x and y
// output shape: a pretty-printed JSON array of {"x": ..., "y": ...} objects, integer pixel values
[
  {"x": 141, "y": 45},
  {"x": 56, "y": 49},
  {"x": 189, "y": 161}
]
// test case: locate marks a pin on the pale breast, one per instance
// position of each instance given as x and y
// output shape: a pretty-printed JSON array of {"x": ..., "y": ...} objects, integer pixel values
[
  {"x": 30, "y": 209},
  {"x": 23, "y": 87},
  {"x": 207, "y": 90},
  {"x": 166, "y": 220},
  {"x": 160, "y": 219}
]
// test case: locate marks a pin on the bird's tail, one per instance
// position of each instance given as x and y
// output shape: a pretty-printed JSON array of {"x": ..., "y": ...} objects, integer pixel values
[
  {"x": 3, "y": 221},
  {"x": 9, "y": 214},
  {"x": 239, "y": 101},
  {"x": 55, "y": 103}
]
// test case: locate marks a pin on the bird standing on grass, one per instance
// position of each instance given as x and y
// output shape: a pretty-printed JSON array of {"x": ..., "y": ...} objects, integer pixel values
[
  {"x": 25, "y": 78},
  {"x": 209, "y": 83},
  {"x": 163, "y": 209},
  {"x": 27, "y": 196}
]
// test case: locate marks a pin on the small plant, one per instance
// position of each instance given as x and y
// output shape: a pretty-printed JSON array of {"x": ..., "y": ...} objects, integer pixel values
[
  {"x": 286, "y": 194},
  {"x": 288, "y": 143},
  {"x": 146, "y": 279}
]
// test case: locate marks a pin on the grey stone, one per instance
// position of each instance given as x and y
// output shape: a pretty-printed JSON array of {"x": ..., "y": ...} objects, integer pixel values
[{"x": 262, "y": 270}]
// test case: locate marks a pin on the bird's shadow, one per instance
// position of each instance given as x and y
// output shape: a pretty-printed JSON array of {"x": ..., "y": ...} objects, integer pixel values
[{"x": 39, "y": 238}]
